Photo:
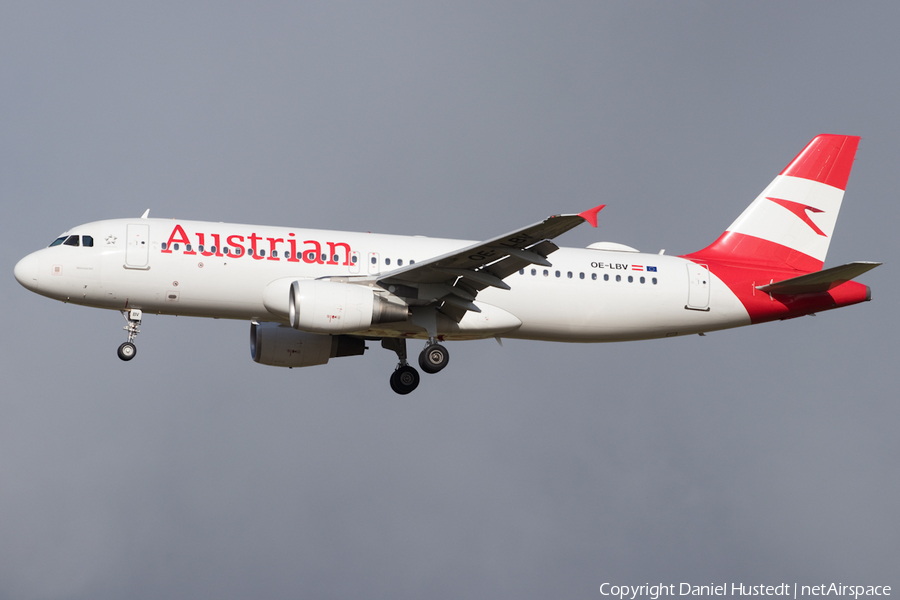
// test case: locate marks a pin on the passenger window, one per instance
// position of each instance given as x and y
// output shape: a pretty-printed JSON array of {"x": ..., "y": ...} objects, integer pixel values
[
  {"x": 594, "y": 276},
  {"x": 569, "y": 275},
  {"x": 163, "y": 245},
  {"x": 387, "y": 261},
  {"x": 72, "y": 240},
  {"x": 87, "y": 241},
  {"x": 521, "y": 271},
  {"x": 324, "y": 257},
  {"x": 618, "y": 278},
  {"x": 643, "y": 280},
  {"x": 226, "y": 250},
  {"x": 187, "y": 247},
  {"x": 630, "y": 279},
  {"x": 374, "y": 260},
  {"x": 212, "y": 249},
  {"x": 653, "y": 280},
  {"x": 546, "y": 272},
  {"x": 353, "y": 259},
  {"x": 175, "y": 246},
  {"x": 250, "y": 251},
  {"x": 534, "y": 271},
  {"x": 557, "y": 273},
  {"x": 606, "y": 277},
  {"x": 581, "y": 276},
  {"x": 412, "y": 262},
  {"x": 262, "y": 252},
  {"x": 399, "y": 261},
  {"x": 57, "y": 241},
  {"x": 200, "y": 248}
]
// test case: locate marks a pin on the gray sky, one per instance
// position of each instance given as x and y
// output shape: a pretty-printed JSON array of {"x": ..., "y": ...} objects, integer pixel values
[{"x": 532, "y": 470}]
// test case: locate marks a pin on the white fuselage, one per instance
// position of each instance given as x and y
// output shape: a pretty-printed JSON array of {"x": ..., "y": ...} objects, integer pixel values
[{"x": 588, "y": 295}]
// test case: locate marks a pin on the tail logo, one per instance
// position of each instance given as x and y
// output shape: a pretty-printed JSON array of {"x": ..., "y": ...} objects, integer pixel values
[{"x": 800, "y": 210}]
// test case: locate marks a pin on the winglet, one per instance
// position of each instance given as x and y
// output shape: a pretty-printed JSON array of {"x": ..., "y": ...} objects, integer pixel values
[
  {"x": 146, "y": 214},
  {"x": 591, "y": 215}
]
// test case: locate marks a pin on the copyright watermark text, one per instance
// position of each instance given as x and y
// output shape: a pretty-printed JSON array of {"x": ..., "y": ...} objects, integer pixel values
[{"x": 655, "y": 591}]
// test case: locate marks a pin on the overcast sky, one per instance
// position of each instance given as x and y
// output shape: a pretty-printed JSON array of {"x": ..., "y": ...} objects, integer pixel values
[{"x": 533, "y": 470}]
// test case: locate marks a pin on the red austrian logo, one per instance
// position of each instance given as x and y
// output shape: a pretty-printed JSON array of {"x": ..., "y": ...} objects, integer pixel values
[
  {"x": 260, "y": 248},
  {"x": 800, "y": 210}
]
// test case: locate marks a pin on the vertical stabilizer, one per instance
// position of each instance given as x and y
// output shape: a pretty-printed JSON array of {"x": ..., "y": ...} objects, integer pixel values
[{"x": 791, "y": 222}]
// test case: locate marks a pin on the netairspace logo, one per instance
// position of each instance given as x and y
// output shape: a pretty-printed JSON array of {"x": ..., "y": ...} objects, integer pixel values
[{"x": 654, "y": 592}]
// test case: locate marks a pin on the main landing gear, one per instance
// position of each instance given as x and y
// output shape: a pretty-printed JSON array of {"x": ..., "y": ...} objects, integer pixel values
[
  {"x": 405, "y": 378},
  {"x": 434, "y": 357},
  {"x": 133, "y": 319}
]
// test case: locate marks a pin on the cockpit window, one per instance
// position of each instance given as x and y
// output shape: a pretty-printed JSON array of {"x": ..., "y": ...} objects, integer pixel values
[{"x": 72, "y": 240}]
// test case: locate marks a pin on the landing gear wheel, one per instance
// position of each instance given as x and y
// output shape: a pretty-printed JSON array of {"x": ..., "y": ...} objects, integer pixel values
[
  {"x": 127, "y": 351},
  {"x": 133, "y": 320},
  {"x": 434, "y": 358},
  {"x": 404, "y": 380}
]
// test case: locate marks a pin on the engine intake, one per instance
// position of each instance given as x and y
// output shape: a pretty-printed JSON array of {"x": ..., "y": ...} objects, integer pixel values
[{"x": 330, "y": 307}]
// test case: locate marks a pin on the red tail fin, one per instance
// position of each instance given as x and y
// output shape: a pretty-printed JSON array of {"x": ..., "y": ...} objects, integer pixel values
[{"x": 790, "y": 223}]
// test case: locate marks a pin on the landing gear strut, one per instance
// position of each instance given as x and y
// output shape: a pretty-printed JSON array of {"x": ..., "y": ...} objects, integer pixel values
[
  {"x": 405, "y": 378},
  {"x": 133, "y": 319},
  {"x": 434, "y": 357}
]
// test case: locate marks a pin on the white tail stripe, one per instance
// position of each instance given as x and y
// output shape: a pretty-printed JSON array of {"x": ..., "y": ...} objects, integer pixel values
[{"x": 771, "y": 221}]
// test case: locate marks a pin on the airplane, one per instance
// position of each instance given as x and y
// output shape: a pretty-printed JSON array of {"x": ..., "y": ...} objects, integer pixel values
[{"x": 312, "y": 295}]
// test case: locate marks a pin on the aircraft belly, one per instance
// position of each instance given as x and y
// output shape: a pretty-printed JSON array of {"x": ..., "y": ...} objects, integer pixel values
[{"x": 491, "y": 321}]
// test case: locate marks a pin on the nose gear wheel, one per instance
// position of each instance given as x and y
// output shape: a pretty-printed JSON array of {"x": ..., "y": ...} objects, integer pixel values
[
  {"x": 127, "y": 351},
  {"x": 133, "y": 319}
]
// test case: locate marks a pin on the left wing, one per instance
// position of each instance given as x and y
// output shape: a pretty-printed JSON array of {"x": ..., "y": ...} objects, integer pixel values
[{"x": 456, "y": 278}]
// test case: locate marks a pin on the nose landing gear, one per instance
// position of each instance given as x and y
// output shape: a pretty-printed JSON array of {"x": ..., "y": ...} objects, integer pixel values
[
  {"x": 127, "y": 351},
  {"x": 133, "y": 319}
]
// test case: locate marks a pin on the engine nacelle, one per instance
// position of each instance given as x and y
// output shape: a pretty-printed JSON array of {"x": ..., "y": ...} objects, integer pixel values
[
  {"x": 331, "y": 307},
  {"x": 280, "y": 346}
]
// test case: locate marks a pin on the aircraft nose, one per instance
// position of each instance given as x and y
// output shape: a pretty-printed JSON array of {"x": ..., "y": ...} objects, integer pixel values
[{"x": 26, "y": 271}]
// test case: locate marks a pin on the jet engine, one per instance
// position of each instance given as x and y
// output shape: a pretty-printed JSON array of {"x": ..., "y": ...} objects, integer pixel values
[
  {"x": 332, "y": 307},
  {"x": 280, "y": 346}
]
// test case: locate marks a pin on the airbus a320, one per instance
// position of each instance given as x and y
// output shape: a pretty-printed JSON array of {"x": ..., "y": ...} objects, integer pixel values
[{"x": 311, "y": 295}]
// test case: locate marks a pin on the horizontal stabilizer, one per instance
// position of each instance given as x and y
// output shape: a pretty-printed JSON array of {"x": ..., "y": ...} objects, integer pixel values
[{"x": 820, "y": 281}]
